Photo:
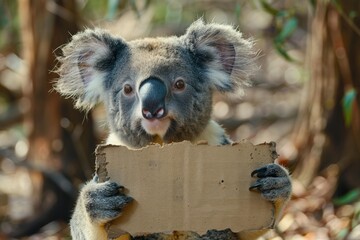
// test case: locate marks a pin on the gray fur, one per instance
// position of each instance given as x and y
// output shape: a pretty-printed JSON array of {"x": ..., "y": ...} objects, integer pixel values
[
  {"x": 272, "y": 182},
  {"x": 96, "y": 66}
]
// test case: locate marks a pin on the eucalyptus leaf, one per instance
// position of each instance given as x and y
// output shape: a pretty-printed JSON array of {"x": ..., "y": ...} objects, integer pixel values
[
  {"x": 112, "y": 8},
  {"x": 350, "y": 197},
  {"x": 134, "y": 7},
  {"x": 312, "y": 3},
  {"x": 3, "y": 17},
  {"x": 289, "y": 27},
  {"x": 342, "y": 234},
  {"x": 347, "y": 102},
  {"x": 268, "y": 8},
  {"x": 353, "y": 14},
  {"x": 281, "y": 50},
  {"x": 237, "y": 10}
]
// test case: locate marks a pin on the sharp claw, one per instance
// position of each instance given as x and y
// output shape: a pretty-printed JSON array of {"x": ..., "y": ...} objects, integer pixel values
[
  {"x": 258, "y": 172},
  {"x": 255, "y": 186},
  {"x": 128, "y": 199},
  {"x": 121, "y": 189}
]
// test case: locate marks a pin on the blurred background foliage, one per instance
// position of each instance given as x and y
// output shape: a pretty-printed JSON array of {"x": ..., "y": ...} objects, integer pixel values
[{"x": 304, "y": 97}]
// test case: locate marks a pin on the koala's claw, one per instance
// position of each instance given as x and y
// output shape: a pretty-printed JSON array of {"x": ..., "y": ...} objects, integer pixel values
[
  {"x": 258, "y": 172},
  {"x": 270, "y": 170},
  {"x": 105, "y": 201},
  {"x": 254, "y": 186},
  {"x": 273, "y": 182}
]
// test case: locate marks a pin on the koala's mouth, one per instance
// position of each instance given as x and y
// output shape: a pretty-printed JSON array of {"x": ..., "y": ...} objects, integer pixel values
[{"x": 156, "y": 126}]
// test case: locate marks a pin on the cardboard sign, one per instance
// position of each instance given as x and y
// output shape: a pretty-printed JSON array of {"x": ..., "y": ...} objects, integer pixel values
[{"x": 186, "y": 187}]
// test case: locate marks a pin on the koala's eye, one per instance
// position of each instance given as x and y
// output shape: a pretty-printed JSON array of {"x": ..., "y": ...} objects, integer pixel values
[
  {"x": 127, "y": 89},
  {"x": 179, "y": 84}
]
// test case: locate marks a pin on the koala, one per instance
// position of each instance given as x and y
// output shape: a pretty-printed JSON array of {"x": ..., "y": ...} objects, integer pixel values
[{"x": 158, "y": 90}]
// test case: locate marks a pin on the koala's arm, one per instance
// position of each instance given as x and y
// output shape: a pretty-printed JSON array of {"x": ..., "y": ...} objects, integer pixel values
[
  {"x": 274, "y": 184},
  {"x": 98, "y": 203}
]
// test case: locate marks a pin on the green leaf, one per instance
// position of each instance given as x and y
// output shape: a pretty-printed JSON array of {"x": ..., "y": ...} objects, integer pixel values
[
  {"x": 268, "y": 8},
  {"x": 280, "y": 49},
  {"x": 312, "y": 3},
  {"x": 347, "y": 102},
  {"x": 342, "y": 234},
  {"x": 4, "y": 18},
  {"x": 135, "y": 8},
  {"x": 112, "y": 8},
  {"x": 237, "y": 10},
  {"x": 282, "y": 14},
  {"x": 350, "y": 197},
  {"x": 289, "y": 27},
  {"x": 337, "y": 5},
  {"x": 353, "y": 14}
]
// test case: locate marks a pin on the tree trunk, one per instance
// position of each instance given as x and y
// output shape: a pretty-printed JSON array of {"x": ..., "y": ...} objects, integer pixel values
[
  {"x": 61, "y": 139},
  {"x": 323, "y": 136}
]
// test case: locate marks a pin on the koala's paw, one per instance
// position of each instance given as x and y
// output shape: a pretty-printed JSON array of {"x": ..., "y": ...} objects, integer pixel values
[
  {"x": 273, "y": 182},
  {"x": 104, "y": 201}
]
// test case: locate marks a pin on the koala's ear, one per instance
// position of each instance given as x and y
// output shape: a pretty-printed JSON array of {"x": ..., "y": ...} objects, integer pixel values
[
  {"x": 228, "y": 58},
  {"x": 85, "y": 65}
]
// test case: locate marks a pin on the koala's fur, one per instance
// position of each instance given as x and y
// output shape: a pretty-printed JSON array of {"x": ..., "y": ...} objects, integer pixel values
[{"x": 98, "y": 67}]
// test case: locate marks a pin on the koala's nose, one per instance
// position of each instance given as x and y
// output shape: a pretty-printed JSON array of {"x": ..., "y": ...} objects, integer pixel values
[{"x": 152, "y": 95}]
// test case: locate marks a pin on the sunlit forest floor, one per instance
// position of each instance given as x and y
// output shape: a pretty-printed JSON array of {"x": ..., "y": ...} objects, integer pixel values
[{"x": 312, "y": 214}]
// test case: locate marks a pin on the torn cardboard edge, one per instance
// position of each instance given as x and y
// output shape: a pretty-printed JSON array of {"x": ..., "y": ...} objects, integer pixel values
[{"x": 187, "y": 187}]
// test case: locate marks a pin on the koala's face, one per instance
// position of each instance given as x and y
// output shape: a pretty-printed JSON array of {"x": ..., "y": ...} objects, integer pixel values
[
  {"x": 155, "y": 89},
  {"x": 157, "y": 92}
]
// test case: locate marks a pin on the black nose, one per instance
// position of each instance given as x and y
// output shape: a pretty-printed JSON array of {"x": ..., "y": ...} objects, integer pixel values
[{"x": 152, "y": 95}]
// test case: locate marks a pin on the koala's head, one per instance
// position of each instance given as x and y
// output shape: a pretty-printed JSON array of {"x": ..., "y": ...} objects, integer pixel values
[{"x": 155, "y": 88}]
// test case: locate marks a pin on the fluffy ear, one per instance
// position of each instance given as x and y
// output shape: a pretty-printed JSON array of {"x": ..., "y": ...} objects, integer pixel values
[
  {"x": 86, "y": 64},
  {"x": 228, "y": 58}
]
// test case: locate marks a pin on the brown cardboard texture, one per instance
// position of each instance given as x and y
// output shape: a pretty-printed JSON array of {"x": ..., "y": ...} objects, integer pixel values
[{"x": 188, "y": 187}]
